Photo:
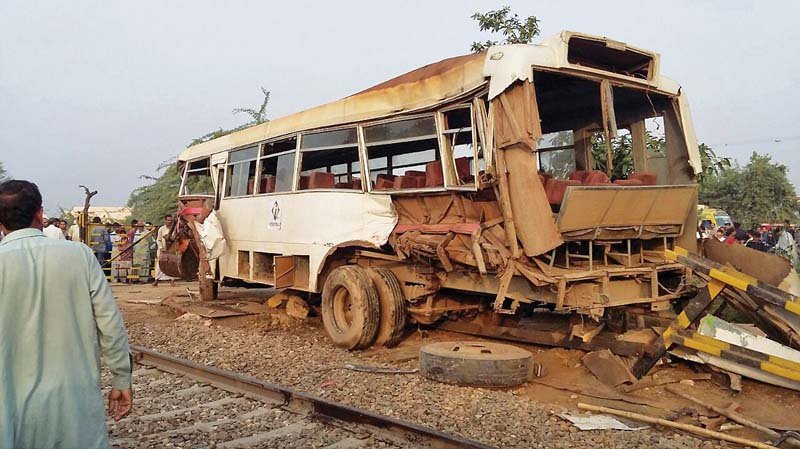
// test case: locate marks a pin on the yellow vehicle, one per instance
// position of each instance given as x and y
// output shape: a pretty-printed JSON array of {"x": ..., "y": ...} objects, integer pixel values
[
  {"x": 440, "y": 197},
  {"x": 711, "y": 218}
]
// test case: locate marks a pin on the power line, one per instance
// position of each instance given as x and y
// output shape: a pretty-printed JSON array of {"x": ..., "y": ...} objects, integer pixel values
[{"x": 754, "y": 141}]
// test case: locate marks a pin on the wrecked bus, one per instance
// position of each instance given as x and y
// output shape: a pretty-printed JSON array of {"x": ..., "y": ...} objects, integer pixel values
[{"x": 464, "y": 193}]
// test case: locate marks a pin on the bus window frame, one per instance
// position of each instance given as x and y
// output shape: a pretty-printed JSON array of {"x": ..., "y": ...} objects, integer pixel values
[
  {"x": 299, "y": 158},
  {"x": 451, "y": 181},
  {"x": 229, "y": 164},
  {"x": 185, "y": 173},
  {"x": 365, "y": 154},
  {"x": 262, "y": 156}
]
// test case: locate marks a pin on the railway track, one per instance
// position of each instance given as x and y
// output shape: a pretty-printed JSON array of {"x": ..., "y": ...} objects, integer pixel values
[{"x": 179, "y": 403}]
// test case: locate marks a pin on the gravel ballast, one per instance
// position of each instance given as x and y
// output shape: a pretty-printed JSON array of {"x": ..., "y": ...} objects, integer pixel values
[{"x": 301, "y": 357}]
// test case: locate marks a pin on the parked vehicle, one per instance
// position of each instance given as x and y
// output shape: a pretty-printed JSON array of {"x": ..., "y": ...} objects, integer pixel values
[{"x": 712, "y": 218}]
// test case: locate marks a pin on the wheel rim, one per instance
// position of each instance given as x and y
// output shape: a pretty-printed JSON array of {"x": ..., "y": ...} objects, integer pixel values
[{"x": 342, "y": 309}]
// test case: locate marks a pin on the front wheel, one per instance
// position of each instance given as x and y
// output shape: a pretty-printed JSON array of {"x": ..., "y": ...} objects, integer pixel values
[{"x": 350, "y": 307}]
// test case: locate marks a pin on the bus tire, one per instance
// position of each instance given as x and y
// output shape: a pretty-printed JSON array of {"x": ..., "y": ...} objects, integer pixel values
[
  {"x": 476, "y": 363},
  {"x": 350, "y": 307},
  {"x": 392, "y": 322}
]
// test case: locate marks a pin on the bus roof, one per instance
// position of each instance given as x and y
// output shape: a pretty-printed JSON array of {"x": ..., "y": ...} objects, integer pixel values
[{"x": 441, "y": 81}]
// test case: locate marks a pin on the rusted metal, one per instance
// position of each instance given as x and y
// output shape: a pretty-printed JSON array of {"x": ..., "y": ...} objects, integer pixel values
[{"x": 300, "y": 402}]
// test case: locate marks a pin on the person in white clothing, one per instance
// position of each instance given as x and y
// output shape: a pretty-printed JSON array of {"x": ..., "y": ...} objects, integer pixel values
[
  {"x": 52, "y": 230},
  {"x": 74, "y": 233},
  {"x": 161, "y": 244}
]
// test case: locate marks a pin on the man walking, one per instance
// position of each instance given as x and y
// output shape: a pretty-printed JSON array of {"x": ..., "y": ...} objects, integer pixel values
[{"x": 55, "y": 323}]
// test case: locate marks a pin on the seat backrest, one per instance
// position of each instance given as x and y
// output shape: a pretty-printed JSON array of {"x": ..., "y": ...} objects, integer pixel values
[
  {"x": 579, "y": 175},
  {"x": 417, "y": 177},
  {"x": 304, "y": 182},
  {"x": 267, "y": 184},
  {"x": 648, "y": 178},
  {"x": 384, "y": 182},
  {"x": 596, "y": 178},
  {"x": 433, "y": 174},
  {"x": 321, "y": 180},
  {"x": 464, "y": 169},
  {"x": 355, "y": 184}
]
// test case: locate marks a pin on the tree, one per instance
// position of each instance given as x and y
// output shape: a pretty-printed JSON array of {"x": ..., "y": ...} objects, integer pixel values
[
  {"x": 756, "y": 193},
  {"x": 621, "y": 152},
  {"x": 258, "y": 116},
  {"x": 3, "y": 173},
  {"x": 514, "y": 30},
  {"x": 713, "y": 165},
  {"x": 151, "y": 202}
]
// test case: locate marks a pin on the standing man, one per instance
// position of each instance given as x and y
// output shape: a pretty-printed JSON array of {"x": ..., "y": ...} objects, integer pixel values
[
  {"x": 161, "y": 245},
  {"x": 52, "y": 231},
  {"x": 54, "y": 326},
  {"x": 99, "y": 240}
]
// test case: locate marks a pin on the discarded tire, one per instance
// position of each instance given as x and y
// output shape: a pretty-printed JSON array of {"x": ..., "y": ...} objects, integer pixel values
[
  {"x": 350, "y": 307},
  {"x": 393, "y": 307},
  {"x": 476, "y": 363}
]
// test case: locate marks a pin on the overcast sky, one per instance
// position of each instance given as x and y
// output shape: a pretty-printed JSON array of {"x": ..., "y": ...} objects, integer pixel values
[{"x": 101, "y": 92}]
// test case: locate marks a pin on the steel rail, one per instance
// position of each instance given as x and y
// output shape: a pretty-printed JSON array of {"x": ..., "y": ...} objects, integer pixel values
[{"x": 300, "y": 402}]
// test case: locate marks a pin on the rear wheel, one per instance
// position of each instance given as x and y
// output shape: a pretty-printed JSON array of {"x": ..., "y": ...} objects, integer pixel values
[
  {"x": 350, "y": 307},
  {"x": 393, "y": 307}
]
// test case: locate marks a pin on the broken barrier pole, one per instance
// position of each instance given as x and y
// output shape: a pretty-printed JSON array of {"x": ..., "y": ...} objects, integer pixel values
[
  {"x": 686, "y": 318},
  {"x": 720, "y": 277},
  {"x": 769, "y": 363}
]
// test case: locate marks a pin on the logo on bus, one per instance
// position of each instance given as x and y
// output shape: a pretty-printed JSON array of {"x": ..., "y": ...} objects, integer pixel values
[{"x": 275, "y": 217}]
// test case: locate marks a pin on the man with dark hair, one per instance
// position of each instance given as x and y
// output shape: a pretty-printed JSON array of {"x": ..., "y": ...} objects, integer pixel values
[
  {"x": 55, "y": 323},
  {"x": 99, "y": 239},
  {"x": 739, "y": 234}
]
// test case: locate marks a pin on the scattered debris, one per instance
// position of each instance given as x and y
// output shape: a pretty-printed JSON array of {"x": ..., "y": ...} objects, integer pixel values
[
  {"x": 731, "y": 414},
  {"x": 599, "y": 422},
  {"x": 737, "y": 368},
  {"x": 276, "y": 300},
  {"x": 675, "y": 425},
  {"x": 599, "y": 392},
  {"x": 380, "y": 370},
  {"x": 608, "y": 368},
  {"x": 653, "y": 382},
  {"x": 296, "y": 307}
]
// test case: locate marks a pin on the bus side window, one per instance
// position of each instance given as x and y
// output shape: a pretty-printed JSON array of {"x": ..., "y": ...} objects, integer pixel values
[
  {"x": 404, "y": 154},
  {"x": 197, "y": 179},
  {"x": 277, "y": 166},
  {"x": 458, "y": 136},
  {"x": 241, "y": 172},
  {"x": 329, "y": 159}
]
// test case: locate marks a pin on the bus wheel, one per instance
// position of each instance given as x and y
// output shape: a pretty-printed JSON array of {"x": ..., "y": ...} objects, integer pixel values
[
  {"x": 393, "y": 307},
  {"x": 350, "y": 307}
]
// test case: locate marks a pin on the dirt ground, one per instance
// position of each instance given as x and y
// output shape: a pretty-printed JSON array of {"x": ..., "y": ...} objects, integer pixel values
[{"x": 564, "y": 381}]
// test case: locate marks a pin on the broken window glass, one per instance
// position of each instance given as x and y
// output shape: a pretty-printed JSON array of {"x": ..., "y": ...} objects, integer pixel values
[
  {"x": 458, "y": 135},
  {"x": 197, "y": 179}
]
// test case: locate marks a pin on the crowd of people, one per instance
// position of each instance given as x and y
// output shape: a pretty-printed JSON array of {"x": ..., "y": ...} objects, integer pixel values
[
  {"x": 781, "y": 239},
  {"x": 131, "y": 253}
]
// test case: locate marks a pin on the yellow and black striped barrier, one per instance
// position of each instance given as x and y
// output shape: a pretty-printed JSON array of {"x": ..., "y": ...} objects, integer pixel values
[
  {"x": 720, "y": 277},
  {"x": 769, "y": 363},
  {"x": 736, "y": 279}
]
